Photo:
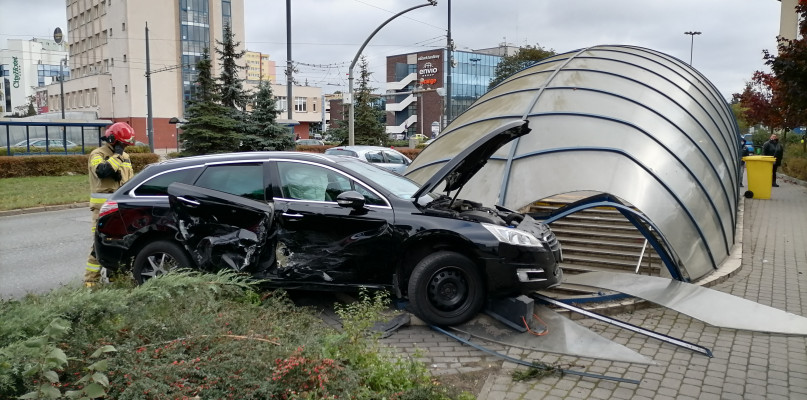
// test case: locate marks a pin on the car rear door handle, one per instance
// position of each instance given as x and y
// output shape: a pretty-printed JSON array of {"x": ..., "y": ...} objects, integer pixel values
[{"x": 189, "y": 201}]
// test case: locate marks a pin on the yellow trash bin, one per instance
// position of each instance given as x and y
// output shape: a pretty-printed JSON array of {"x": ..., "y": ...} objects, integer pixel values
[{"x": 759, "y": 170}]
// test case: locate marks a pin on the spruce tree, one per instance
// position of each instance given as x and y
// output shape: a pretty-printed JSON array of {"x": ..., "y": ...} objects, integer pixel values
[
  {"x": 231, "y": 85},
  {"x": 368, "y": 121},
  {"x": 211, "y": 127},
  {"x": 263, "y": 131}
]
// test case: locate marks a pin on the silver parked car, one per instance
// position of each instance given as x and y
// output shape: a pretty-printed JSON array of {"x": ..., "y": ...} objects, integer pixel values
[
  {"x": 382, "y": 156},
  {"x": 309, "y": 142},
  {"x": 40, "y": 142}
]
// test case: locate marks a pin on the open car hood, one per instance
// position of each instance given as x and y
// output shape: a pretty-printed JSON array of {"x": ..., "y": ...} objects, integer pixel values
[{"x": 460, "y": 169}]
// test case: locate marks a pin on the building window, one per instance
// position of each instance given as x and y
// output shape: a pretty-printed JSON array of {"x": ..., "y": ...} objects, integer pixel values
[
  {"x": 280, "y": 103},
  {"x": 123, "y": 26},
  {"x": 314, "y": 105},
  {"x": 125, "y": 88},
  {"x": 300, "y": 104},
  {"x": 124, "y": 58}
]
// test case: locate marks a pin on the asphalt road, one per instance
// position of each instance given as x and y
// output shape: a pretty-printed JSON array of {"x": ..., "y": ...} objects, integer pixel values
[{"x": 42, "y": 251}]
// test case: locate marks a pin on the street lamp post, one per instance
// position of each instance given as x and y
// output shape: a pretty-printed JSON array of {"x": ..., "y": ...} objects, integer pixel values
[
  {"x": 691, "y": 43},
  {"x": 57, "y": 37},
  {"x": 61, "y": 84},
  {"x": 351, "y": 110}
]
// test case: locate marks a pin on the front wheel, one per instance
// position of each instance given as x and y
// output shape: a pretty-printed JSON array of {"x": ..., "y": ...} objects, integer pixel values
[
  {"x": 158, "y": 258},
  {"x": 445, "y": 288}
]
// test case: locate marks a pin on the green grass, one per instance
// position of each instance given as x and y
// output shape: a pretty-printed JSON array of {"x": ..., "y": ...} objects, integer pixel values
[{"x": 43, "y": 190}]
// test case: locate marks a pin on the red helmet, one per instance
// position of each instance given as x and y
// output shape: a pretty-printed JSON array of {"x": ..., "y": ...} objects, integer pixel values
[{"x": 120, "y": 132}]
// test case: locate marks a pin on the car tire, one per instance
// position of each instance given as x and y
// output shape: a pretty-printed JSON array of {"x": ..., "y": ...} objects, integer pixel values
[
  {"x": 158, "y": 258},
  {"x": 445, "y": 288}
]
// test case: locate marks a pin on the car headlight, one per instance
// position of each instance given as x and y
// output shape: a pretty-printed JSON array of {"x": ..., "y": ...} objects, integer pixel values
[{"x": 512, "y": 236}]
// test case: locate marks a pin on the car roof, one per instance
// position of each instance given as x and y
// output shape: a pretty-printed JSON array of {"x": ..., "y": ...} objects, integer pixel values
[
  {"x": 244, "y": 156},
  {"x": 358, "y": 148}
]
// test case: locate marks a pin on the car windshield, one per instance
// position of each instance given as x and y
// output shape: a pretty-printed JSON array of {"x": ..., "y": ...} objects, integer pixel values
[
  {"x": 341, "y": 152},
  {"x": 394, "y": 183}
]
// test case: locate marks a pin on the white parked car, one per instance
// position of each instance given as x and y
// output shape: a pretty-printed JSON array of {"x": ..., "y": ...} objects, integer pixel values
[
  {"x": 382, "y": 156},
  {"x": 40, "y": 142}
]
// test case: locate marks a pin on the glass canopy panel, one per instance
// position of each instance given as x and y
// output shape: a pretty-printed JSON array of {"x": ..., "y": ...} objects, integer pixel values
[{"x": 627, "y": 121}]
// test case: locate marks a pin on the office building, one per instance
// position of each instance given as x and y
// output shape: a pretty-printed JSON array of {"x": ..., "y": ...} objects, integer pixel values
[
  {"x": 308, "y": 116},
  {"x": 107, "y": 57},
  {"x": 416, "y": 88},
  {"x": 260, "y": 67},
  {"x": 24, "y": 66}
]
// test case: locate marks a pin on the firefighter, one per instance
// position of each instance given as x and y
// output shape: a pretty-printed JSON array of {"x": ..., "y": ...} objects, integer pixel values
[{"x": 109, "y": 168}]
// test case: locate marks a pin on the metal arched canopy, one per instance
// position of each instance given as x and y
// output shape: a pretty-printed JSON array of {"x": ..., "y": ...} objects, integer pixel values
[{"x": 623, "y": 120}]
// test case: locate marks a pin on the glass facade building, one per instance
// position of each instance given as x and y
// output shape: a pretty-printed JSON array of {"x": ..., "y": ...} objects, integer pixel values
[
  {"x": 43, "y": 71},
  {"x": 419, "y": 82},
  {"x": 470, "y": 78},
  {"x": 194, "y": 25}
]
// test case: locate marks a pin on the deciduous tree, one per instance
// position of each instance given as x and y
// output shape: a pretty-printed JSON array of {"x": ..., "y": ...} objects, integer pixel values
[
  {"x": 510, "y": 64},
  {"x": 789, "y": 66},
  {"x": 761, "y": 102}
]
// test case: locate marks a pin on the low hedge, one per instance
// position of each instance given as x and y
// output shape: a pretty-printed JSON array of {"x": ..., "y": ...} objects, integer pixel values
[
  {"x": 56, "y": 165},
  {"x": 58, "y": 150}
]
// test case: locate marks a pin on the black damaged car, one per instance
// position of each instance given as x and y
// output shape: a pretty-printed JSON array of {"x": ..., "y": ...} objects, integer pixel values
[{"x": 313, "y": 221}]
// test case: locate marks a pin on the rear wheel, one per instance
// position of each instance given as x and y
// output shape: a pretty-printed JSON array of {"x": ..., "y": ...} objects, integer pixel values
[
  {"x": 445, "y": 288},
  {"x": 158, "y": 258}
]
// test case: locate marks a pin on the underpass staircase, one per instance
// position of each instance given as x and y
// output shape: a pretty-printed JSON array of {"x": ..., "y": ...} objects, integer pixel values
[{"x": 596, "y": 239}]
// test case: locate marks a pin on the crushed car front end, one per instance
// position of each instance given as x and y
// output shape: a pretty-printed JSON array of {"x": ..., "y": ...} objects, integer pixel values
[{"x": 518, "y": 253}]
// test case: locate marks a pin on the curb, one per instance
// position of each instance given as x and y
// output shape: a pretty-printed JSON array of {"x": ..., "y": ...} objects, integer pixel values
[{"x": 57, "y": 207}]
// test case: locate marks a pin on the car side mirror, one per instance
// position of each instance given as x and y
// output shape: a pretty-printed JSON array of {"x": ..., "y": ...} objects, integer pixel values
[{"x": 350, "y": 198}]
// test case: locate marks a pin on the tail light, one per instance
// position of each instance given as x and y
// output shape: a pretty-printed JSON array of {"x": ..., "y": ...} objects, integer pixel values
[{"x": 108, "y": 208}]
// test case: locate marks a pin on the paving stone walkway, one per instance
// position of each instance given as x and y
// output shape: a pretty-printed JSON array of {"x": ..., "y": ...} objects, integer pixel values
[{"x": 746, "y": 365}]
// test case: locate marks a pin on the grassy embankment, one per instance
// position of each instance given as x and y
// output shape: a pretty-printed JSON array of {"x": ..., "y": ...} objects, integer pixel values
[{"x": 36, "y": 191}]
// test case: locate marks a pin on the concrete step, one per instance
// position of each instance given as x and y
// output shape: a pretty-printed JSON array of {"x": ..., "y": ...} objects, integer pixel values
[
  {"x": 594, "y": 226},
  {"x": 648, "y": 267},
  {"x": 608, "y": 252},
  {"x": 588, "y": 234},
  {"x": 634, "y": 245},
  {"x": 598, "y": 239}
]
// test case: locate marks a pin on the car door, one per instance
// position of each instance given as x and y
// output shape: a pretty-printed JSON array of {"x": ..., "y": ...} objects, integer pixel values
[
  {"x": 224, "y": 220},
  {"x": 323, "y": 242},
  {"x": 395, "y": 161}
]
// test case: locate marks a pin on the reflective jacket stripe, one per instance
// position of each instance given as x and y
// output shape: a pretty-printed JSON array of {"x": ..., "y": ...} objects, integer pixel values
[
  {"x": 115, "y": 163},
  {"x": 98, "y": 198},
  {"x": 96, "y": 159}
]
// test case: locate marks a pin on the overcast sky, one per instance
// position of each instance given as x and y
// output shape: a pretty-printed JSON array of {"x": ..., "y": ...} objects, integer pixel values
[{"x": 326, "y": 34}]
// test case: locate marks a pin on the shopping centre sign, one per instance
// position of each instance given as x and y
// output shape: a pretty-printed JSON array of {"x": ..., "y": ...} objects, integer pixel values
[{"x": 17, "y": 72}]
